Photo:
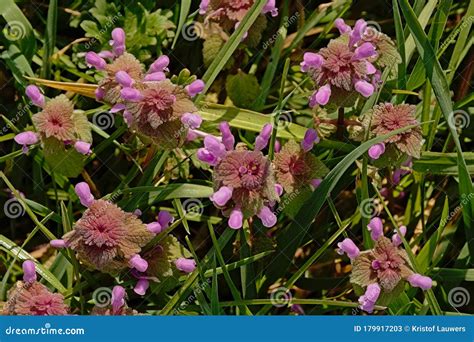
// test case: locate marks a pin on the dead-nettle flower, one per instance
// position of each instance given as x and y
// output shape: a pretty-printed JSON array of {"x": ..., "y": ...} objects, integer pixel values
[
  {"x": 382, "y": 269},
  {"x": 386, "y": 118},
  {"x": 345, "y": 67},
  {"x": 229, "y": 13},
  {"x": 163, "y": 111},
  {"x": 152, "y": 105},
  {"x": 57, "y": 121},
  {"x": 243, "y": 179},
  {"x": 107, "y": 238},
  {"x": 296, "y": 167},
  {"x": 30, "y": 297}
]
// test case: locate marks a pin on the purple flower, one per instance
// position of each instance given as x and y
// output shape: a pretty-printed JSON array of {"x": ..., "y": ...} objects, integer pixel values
[
  {"x": 364, "y": 88},
  {"x": 321, "y": 97},
  {"x": 236, "y": 219},
  {"x": 141, "y": 286},
  {"x": 118, "y": 41},
  {"x": 138, "y": 263},
  {"x": 364, "y": 51},
  {"x": 203, "y": 6},
  {"x": 131, "y": 94},
  {"x": 376, "y": 151},
  {"x": 35, "y": 95},
  {"x": 271, "y": 8},
  {"x": 118, "y": 299},
  {"x": 316, "y": 182},
  {"x": 311, "y": 61},
  {"x": 192, "y": 121},
  {"x": 268, "y": 218},
  {"x": 99, "y": 94},
  {"x": 160, "y": 65},
  {"x": 342, "y": 26},
  {"x": 25, "y": 139},
  {"x": 124, "y": 79},
  {"x": 348, "y": 246},
  {"x": 368, "y": 300},
  {"x": 396, "y": 239},
  {"x": 83, "y": 191},
  {"x": 58, "y": 243},
  {"x": 262, "y": 139},
  {"x": 83, "y": 147},
  {"x": 222, "y": 196},
  {"x": 155, "y": 77},
  {"x": 227, "y": 137},
  {"x": 310, "y": 138},
  {"x": 185, "y": 265},
  {"x": 29, "y": 271},
  {"x": 195, "y": 88},
  {"x": 375, "y": 227},
  {"x": 418, "y": 280},
  {"x": 93, "y": 59},
  {"x": 163, "y": 222}
]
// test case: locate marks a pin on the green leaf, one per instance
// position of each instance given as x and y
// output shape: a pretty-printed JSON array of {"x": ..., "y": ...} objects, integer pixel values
[
  {"x": 242, "y": 89},
  {"x": 183, "y": 14},
  {"x": 65, "y": 161}
]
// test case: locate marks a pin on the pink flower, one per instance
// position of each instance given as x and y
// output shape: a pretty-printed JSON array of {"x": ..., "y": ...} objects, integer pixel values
[
  {"x": 375, "y": 151},
  {"x": 124, "y": 79},
  {"x": 35, "y": 95},
  {"x": 227, "y": 137},
  {"x": 141, "y": 287},
  {"x": 195, "y": 88},
  {"x": 311, "y": 61},
  {"x": 368, "y": 300},
  {"x": 310, "y": 138},
  {"x": 34, "y": 299},
  {"x": 192, "y": 121},
  {"x": 83, "y": 147},
  {"x": 163, "y": 222},
  {"x": 118, "y": 41},
  {"x": 396, "y": 239},
  {"x": 185, "y": 265},
  {"x": 271, "y": 8},
  {"x": 29, "y": 271},
  {"x": 160, "y": 65},
  {"x": 262, "y": 139},
  {"x": 222, "y": 196},
  {"x": 423, "y": 282},
  {"x": 57, "y": 119},
  {"x": 388, "y": 117},
  {"x": 348, "y": 246},
  {"x": 26, "y": 139},
  {"x": 375, "y": 227},
  {"x": 94, "y": 60},
  {"x": 83, "y": 191},
  {"x": 236, "y": 219},
  {"x": 107, "y": 238},
  {"x": 267, "y": 217},
  {"x": 295, "y": 167},
  {"x": 118, "y": 298}
]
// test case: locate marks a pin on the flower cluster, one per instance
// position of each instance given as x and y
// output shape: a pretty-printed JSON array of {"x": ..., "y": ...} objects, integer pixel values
[
  {"x": 382, "y": 270},
  {"x": 347, "y": 67},
  {"x": 57, "y": 123},
  {"x": 152, "y": 105},
  {"x": 244, "y": 180},
  {"x": 386, "y": 118},
  {"x": 30, "y": 297},
  {"x": 110, "y": 240}
]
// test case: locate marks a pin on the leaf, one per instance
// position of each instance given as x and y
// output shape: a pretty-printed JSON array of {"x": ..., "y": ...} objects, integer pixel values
[
  {"x": 242, "y": 89},
  {"x": 183, "y": 14},
  {"x": 65, "y": 161}
]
